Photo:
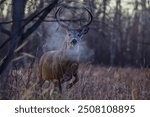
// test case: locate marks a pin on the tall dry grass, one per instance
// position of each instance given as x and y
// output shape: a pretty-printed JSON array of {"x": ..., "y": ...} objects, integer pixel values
[{"x": 95, "y": 82}]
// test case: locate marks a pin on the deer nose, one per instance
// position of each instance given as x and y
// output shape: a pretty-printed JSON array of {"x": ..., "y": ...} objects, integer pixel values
[{"x": 74, "y": 41}]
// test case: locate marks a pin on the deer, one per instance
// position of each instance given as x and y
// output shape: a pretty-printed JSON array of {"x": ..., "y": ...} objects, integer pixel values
[{"x": 59, "y": 66}]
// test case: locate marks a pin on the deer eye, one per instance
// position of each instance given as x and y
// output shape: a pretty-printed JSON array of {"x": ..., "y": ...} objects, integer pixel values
[{"x": 69, "y": 34}]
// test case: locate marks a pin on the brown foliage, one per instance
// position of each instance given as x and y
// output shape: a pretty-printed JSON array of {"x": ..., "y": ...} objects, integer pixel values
[{"x": 95, "y": 82}]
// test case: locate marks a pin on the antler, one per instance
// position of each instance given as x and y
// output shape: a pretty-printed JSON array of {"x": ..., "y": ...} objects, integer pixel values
[{"x": 59, "y": 20}]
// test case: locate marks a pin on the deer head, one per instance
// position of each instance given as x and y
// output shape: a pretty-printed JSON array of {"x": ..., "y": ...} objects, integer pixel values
[{"x": 74, "y": 35}]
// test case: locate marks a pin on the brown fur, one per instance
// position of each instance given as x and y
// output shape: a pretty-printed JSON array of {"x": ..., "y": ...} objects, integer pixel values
[{"x": 54, "y": 65}]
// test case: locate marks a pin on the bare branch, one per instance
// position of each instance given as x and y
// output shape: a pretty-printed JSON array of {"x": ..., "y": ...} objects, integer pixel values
[
  {"x": 4, "y": 43},
  {"x": 23, "y": 55},
  {"x": 40, "y": 20},
  {"x": 27, "y": 20},
  {"x": 3, "y": 30},
  {"x": 29, "y": 31},
  {"x": 45, "y": 20}
]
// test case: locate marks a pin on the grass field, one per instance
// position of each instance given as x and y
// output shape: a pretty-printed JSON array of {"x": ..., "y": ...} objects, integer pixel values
[{"x": 95, "y": 82}]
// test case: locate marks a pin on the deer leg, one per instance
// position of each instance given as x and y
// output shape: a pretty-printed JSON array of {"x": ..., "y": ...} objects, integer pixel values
[
  {"x": 40, "y": 83},
  {"x": 66, "y": 78},
  {"x": 37, "y": 86},
  {"x": 74, "y": 70},
  {"x": 58, "y": 84},
  {"x": 68, "y": 74},
  {"x": 73, "y": 82},
  {"x": 56, "y": 93}
]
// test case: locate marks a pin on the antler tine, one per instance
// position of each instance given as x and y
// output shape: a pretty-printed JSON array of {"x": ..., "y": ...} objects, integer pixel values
[
  {"x": 91, "y": 17},
  {"x": 57, "y": 14},
  {"x": 58, "y": 20}
]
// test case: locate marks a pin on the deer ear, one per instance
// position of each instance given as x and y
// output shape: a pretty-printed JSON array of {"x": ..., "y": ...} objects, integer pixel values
[{"x": 85, "y": 30}]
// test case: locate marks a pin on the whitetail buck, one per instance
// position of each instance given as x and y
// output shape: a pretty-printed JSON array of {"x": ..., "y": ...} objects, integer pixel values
[{"x": 58, "y": 66}]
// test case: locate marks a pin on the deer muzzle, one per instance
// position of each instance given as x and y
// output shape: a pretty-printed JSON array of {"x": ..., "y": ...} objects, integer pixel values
[{"x": 74, "y": 41}]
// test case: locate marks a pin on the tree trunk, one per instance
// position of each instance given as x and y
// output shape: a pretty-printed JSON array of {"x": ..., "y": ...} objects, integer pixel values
[{"x": 18, "y": 8}]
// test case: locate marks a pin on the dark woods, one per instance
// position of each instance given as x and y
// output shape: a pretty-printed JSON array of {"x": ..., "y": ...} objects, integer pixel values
[
  {"x": 118, "y": 36},
  {"x": 121, "y": 36}
]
